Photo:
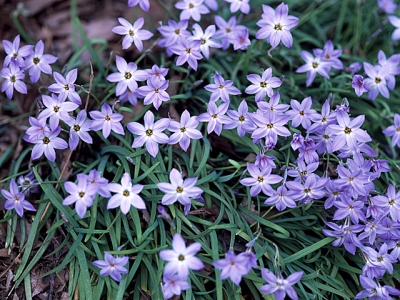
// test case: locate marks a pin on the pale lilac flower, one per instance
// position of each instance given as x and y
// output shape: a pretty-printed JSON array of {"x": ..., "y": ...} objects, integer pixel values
[
  {"x": 144, "y": 4},
  {"x": 312, "y": 188},
  {"x": 264, "y": 161},
  {"x": 133, "y": 33},
  {"x": 47, "y": 144},
  {"x": 106, "y": 120},
  {"x": 221, "y": 88},
  {"x": 240, "y": 119},
  {"x": 16, "y": 199},
  {"x": 321, "y": 121},
  {"x": 348, "y": 207},
  {"x": 353, "y": 181},
  {"x": 376, "y": 81},
  {"x": 13, "y": 79},
  {"x": 38, "y": 62},
  {"x": 37, "y": 130},
  {"x": 187, "y": 52},
  {"x": 260, "y": 180},
  {"x": 205, "y": 38},
  {"x": 250, "y": 258},
  {"x": 381, "y": 259},
  {"x": 312, "y": 67},
  {"x": 275, "y": 25},
  {"x": 184, "y": 130},
  {"x": 262, "y": 85},
  {"x": 79, "y": 128},
  {"x": 172, "y": 32},
  {"x": 157, "y": 73},
  {"x": 215, "y": 116},
  {"x": 179, "y": 189},
  {"x": 211, "y": 4},
  {"x": 279, "y": 286},
  {"x": 174, "y": 285},
  {"x": 94, "y": 177},
  {"x": 273, "y": 105},
  {"x": 391, "y": 66},
  {"x": 302, "y": 171},
  {"x": 297, "y": 141},
  {"x": 359, "y": 85},
  {"x": 348, "y": 131},
  {"x": 395, "y": 21},
  {"x": 329, "y": 55},
  {"x": 240, "y": 39},
  {"x": 154, "y": 92},
  {"x": 374, "y": 290},
  {"x": 130, "y": 96},
  {"x": 282, "y": 198},
  {"x": 232, "y": 266},
  {"x": 270, "y": 125},
  {"x": 181, "y": 259},
  {"x": 28, "y": 183},
  {"x": 65, "y": 86},
  {"x": 150, "y": 134},
  {"x": 113, "y": 266},
  {"x": 388, "y": 6},
  {"x": 301, "y": 113},
  {"x": 394, "y": 130},
  {"x": 127, "y": 76},
  {"x": 390, "y": 203},
  {"x": 82, "y": 194},
  {"x": 192, "y": 9},
  {"x": 226, "y": 30},
  {"x": 345, "y": 235},
  {"x": 242, "y": 5},
  {"x": 15, "y": 53},
  {"x": 56, "y": 109},
  {"x": 354, "y": 67},
  {"x": 126, "y": 195}
]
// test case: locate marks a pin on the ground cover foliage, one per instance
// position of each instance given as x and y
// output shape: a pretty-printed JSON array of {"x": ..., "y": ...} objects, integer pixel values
[{"x": 48, "y": 249}]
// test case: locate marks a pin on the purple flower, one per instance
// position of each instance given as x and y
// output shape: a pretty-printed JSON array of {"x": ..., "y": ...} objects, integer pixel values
[
  {"x": 174, "y": 285},
  {"x": 388, "y": 6},
  {"x": 313, "y": 66},
  {"x": 99, "y": 182},
  {"x": 390, "y": 203},
  {"x": 359, "y": 85},
  {"x": 79, "y": 130},
  {"x": 345, "y": 235},
  {"x": 150, "y": 134},
  {"x": 107, "y": 121},
  {"x": 187, "y": 51},
  {"x": 321, "y": 121},
  {"x": 347, "y": 206},
  {"x": 279, "y": 286},
  {"x": 301, "y": 113},
  {"x": 273, "y": 105},
  {"x": 38, "y": 62},
  {"x": 348, "y": 132},
  {"x": 65, "y": 86},
  {"x": 157, "y": 73},
  {"x": 133, "y": 33},
  {"x": 240, "y": 119},
  {"x": 221, "y": 88},
  {"x": 16, "y": 199},
  {"x": 275, "y": 25},
  {"x": 82, "y": 194},
  {"x": 215, "y": 117},
  {"x": 127, "y": 76},
  {"x": 211, "y": 4},
  {"x": 173, "y": 32},
  {"x": 181, "y": 259},
  {"x": 13, "y": 79},
  {"x": 226, "y": 30},
  {"x": 28, "y": 183},
  {"x": 126, "y": 195},
  {"x": 354, "y": 67},
  {"x": 184, "y": 131},
  {"x": 395, "y": 21},
  {"x": 56, "y": 109},
  {"x": 264, "y": 161},
  {"x": 374, "y": 290},
  {"x": 262, "y": 85},
  {"x": 15, "y": 53},
  {"x": 352, "y": 180},
  {"x": 232, "y": 266},
  {"x": 311, "y": 189},
  {"x": 381, "y": 259},
  {"x": 376, "y": 81},
  {"x": 282, "y": 198},
  {"x": 130, "y": 96},
  {"x": 394, "y": 130},
  {"x": 270, "y": 125},
  {"x": 192, "y": 9},
  {"x": 113, "y": 266},
  {"x": 179, "y": 189},
  {"x": 47, "y": 144},
  {"x": 329, "y": 55},
  {"x": 260, "y": 180},
  {"x": 144, "y": 4},
  {"x": 242, "y": 5},
  {"x": 154, "y": 92},
  {"x": 37, "y": 130},
  {"x": 205, "y": 38},
  {"x": 240, "y": 39},
  {"x": 302, "y": 171}
]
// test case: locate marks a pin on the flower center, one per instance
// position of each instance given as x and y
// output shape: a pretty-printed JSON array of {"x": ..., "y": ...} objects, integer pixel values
[
  {"x": 188, "y": 50},
  {"x": 127, "y": 75},
  {"x": 66, "y": 87},
  {"x": 263, "y": 84},
  {"x": 149, "y": 132},
  {"x": 278, "y": 27},
  {"x": 315, "y": 65},
  {"x": 326, "y": 136},
  {"x": 112, "y": 265},
  {"x": 13, "y": 79},
  {"x": 36, "y": 60},
  {"x": 156, "y": 90},
  {"x": 307, "y": 190},
  {"x": 351, "y": 178},
  {"x": 347, "y": 130},
  {"x": 323, "y": 120},
  {"x": 221, "y": 86},
  {"x": 81, "y": 194},
  {"x": 327, "y": 56},
  {"x": 183, "y": 129},
  {"x": 241, "y": 40},
  {"x": 359, "y": 83},
  {"x": 398, "y": 129},
  {"x": 380, "y": 258},
  {"x": 303, "y": 173},
  {"x": 131, "y": 33},
  {"x": 301, "y": 113},
  {"x": 16, "y": 198},
  {"x": 107, "y": 118},
  {"x": 126, "y": 193},
  {"x": 214, "y": 116},
  {"x": 232, "y": 263},
  {"x": 391, "y": 202},
  {"x": 377, "y": 80},
  {"x": 241, "y": 119},
  {"x": 227, "y": 30},
  {"x": 191, "y": 5},
  {"x": 56, "y": 109},
  {"x": 177, "y": 31},
  {"x": 15, "y": 55},
  {"x": 46, "y": 140},
  {"x": 260, "y": 179},
  {"x": 203, "y": 41},
  {"x": 26, "y": 182},
  {"x": 179, "y": 189},
  {"x": 77, "y": 127},
  {"x": 270, "y": 125},
  {"x": 181, "y": 257}
]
